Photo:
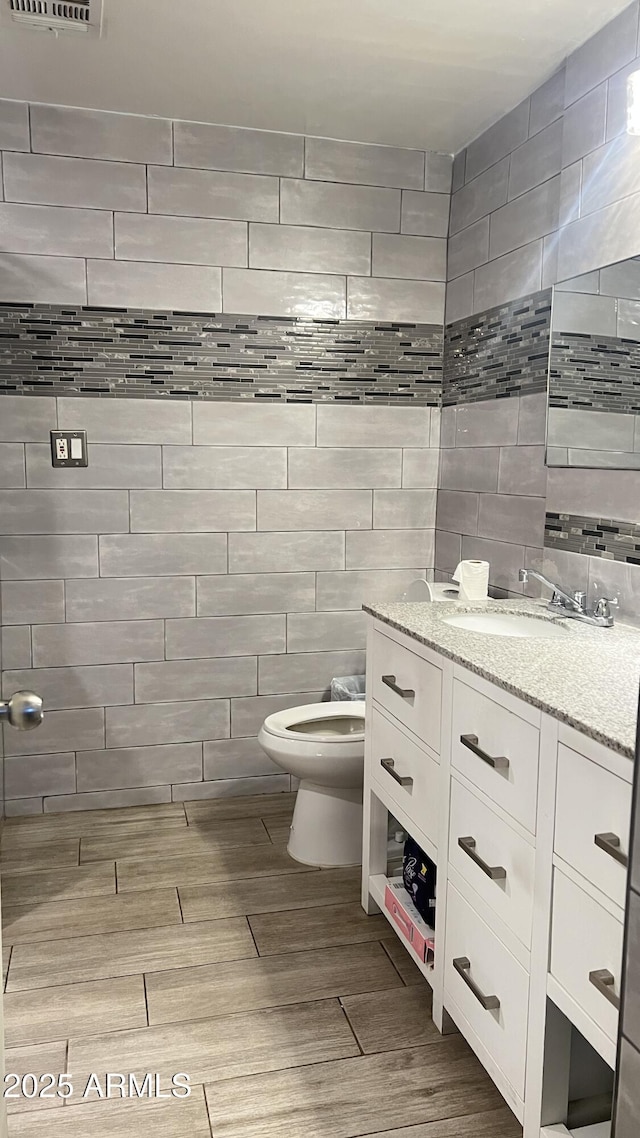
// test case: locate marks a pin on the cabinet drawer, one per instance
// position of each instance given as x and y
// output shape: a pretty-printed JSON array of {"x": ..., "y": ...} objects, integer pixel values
[
  {"x": 497, "y": 751},
  {"x": 414, "y": 783},
  {"x": 504, "y": 878},
  {"x": 499, "y": 982},
  {"x": 593, "y": 813},
  {"x": 408, "y": 687},
  {"x": 585, "y": 939}
]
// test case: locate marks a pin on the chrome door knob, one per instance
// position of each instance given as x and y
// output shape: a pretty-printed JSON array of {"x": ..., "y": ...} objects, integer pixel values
[{"x": 23, "y": 711}]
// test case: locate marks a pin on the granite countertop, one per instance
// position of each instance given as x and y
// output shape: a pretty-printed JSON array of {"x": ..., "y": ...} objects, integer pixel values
[{"x": 589, "y": 679}]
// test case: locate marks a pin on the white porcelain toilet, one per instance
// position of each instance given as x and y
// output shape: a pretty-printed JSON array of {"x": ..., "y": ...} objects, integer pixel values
[{"x": 322, "y": 744}]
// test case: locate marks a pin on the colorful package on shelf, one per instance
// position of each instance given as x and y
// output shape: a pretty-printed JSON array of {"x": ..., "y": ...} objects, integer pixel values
[
  {"x": 406, "y": 917},
  {"x": 419, "y": 874}
]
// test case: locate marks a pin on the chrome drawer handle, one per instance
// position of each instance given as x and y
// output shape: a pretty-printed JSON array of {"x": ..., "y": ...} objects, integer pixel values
[
  {"x": 603, "y": 981},
  {"x": 389, "y": 766},
  {"x": 498, "y": 762},
  {"x": 406, "y": 693},
  {"x": 462, "y": 966},
  {"x": 610, "y": 843},
  {"x": 495, "y": 872}
]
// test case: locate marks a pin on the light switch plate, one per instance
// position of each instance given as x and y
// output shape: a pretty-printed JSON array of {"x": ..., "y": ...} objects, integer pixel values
[{"x": 69, "y": 448}]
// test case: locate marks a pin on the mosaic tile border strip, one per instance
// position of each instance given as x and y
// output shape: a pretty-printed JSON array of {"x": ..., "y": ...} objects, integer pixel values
[
  {"x": 595, "y": 373},
  {"x": 49, "y": 349},
  {"x": 500, "y": 353},
  {"x": 594, "y": 537}
]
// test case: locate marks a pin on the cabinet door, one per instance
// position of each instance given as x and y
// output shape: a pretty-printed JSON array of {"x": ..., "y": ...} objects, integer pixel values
[{"x": 406, "y": 774}]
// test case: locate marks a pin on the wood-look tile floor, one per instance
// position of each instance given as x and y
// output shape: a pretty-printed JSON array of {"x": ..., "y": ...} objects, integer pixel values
[{"x": 184, "y": 939}]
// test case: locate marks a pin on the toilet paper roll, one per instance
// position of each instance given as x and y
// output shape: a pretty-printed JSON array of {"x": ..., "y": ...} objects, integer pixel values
[{"x": 473, "y": 578}]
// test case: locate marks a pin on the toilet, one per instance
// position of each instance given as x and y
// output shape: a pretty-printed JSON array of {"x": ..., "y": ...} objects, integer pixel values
[{"x": 322, "y": 744}]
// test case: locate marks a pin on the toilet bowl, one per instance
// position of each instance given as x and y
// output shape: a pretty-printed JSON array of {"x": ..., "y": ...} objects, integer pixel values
[{"x": 322, "y": 744}]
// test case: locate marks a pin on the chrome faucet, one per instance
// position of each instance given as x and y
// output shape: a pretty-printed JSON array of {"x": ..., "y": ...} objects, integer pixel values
[{"x": 573, "y": 604}]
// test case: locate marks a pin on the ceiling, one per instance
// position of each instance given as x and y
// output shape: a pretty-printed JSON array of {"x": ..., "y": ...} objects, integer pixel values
[{"x": 421, "y": 73}]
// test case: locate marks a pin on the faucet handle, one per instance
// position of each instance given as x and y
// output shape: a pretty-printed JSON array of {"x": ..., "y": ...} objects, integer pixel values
[{"x": 603, "y": 607}]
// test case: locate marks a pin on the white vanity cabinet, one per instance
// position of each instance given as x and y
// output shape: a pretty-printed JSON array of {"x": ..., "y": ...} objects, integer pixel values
[{"x": 528, "y": 822}]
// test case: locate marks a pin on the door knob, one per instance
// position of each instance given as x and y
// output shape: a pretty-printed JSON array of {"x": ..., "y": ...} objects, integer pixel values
[{"x": 23, "y": 711}]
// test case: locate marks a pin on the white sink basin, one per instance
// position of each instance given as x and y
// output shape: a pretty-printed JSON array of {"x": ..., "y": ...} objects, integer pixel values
[{"x": 507, "y": 624}]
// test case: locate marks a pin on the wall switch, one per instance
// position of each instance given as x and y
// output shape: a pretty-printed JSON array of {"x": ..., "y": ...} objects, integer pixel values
[{"x": 69, "y": 448}]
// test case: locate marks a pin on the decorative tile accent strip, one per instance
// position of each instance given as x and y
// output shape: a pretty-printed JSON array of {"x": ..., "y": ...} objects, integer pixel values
[
  {"x": 500, "y": 353},
  {"x": 199, "y": 355},
  {"x": 595, "y": 537},
  {"x": 595, "y": 373}
]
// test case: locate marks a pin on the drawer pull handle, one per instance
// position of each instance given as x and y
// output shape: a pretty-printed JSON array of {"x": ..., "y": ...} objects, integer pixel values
[
  {"x": 498, "y": 762},
  {"x": 604, "y": 981},
  {"x": 495, "y": 872},
  {"x": 610, "y": 843},
  {"x": 462, "y": 966},
  {"x": 406, "y": 693},
  {"x": 389, "y": 766}
]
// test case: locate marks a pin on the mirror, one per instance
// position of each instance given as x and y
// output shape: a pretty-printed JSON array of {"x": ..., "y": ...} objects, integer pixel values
[{"x": 593, "y": 416}]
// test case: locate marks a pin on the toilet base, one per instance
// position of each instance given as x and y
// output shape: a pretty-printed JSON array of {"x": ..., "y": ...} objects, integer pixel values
[{"x": 326, "y": 830}]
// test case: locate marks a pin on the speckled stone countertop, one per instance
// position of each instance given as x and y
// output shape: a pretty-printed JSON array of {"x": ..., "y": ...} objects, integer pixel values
[{"x": 589, "y": 679}]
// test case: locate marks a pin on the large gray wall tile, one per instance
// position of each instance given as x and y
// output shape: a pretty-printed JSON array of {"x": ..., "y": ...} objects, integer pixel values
[
  {"x": 326, "y": 631},
  {"x": 48, "y": 180},
  {"x": 499, "y": 140},
  {"x": 420, "y": 468},
  {"x": 314, "y": 509},
  {"x": 547, "y": 103},
  {"x": 224, "y": 468},
  {"x": 178, "y": 680},
  {"x": 522, "y": 470},
  {"x": 262, "y": 292},
  {"x": 425, "y": 214},
  {"x": 603, "y": 54},
  {"x": 184, "y": 511},
  {"x": 285, "y": 552},
  {"x": 175, "y": 722},
  {"x": 538, "y": 160},
  {"x": 379, "y": 298},
  {"x": 330, "y": 160},
  {"x": 438, "y": 172},
  {"x": 448, "y": 551},
  {"x": 16, "y": 646},
  {"x": 144, "y": 284},
  {"x": 373, "y": 426},
  {"x": 55, "y": 231},
  {"x": 570, "y": 193},
  {"x": 231, "y": 787},
  {"x": 601, "y": 238},
  {"x": 130, "y": 598},
  {"x": 306, "y": 671},
  {"x": 349, "y": 590},
  {"x": 107, "y": 799},
  {"x": 63, "y": 688},
  {"x": 236, "y": 148},
  {"x": 346, "y": 467},
  {"x": 515, "y": 274},
  {"x": 24, "y": 602},
  {"x": 27, "y": 420},
  {"x": 628, "y": 1107},
  {"x": 81, "y": 729},
  {"x": 248, "y": 715},
  {"x": 111, "y": 642},
  {"x": 468, "y": 248},
  {"x": 204, "y": 193},
  {"x": 110, "y": 468},
  {"x": 235, "y": 758},
  {"x": 610, "y": 173},
  {"x": 584, "y": 314},
  {"x": 594, "y": 493},
  {"x": 139, "y": 766},
  {"x": 404, "y": 509},
  {"x": 127, "y": 420},
  {"x": 27, "y": 775},
  {"x": 459, "y": 298},
  {"x": 12, "y": 474},
  {"x": 532, "y": 419},
  {"x": 303, "y": 248},
  {"x": 252, "y": 424},
  {"x": 513, "y": 518},
  {"x": 457, "y": 511},
  {"x": 48, "y": 557},
  {"x": 14, "y": 125},
  {"x": 75, "y": 511},
  {"x": 458, "y": 172},
  {"x": 99, "y": 134},
  {"x": 42, "y": 280},
  {"x": 208, "y": 637},
  {"x": 183, "y": 240},
  {"x": 470, "y": 468},
  {"x": 339, "y": 206},
  {"x": 142, "y": 555},
  {"x": 245, "y": 593},
  {"x": 390, "y": 549},
  {"x": 478, "y": 198},
  {"x": 532, "y": 215},
  {"x": 411, "y": 258},
  {"x": 583, "y": 125}
]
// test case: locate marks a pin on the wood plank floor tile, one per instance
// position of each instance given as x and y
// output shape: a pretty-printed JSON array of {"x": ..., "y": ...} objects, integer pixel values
[
  {"x": 157, "y": 873},
  {"x": 269, "y": 894},
  {"x": 74, "y": 1009},
  {"x": 41, "y": 855},
  {"x": 120, "y": 1118},
  {"x": 398, "y": 954},
  {"x": 59, "y": 884},
  {"x": 244, "y": 806},
  {"x": 79, "y": 959},
  {"x": 60, "y": 920},
  {"x": 222, "y": 1048},
  {"x": 500, "y": 1123},
  {"x": 35, "y": 1059},
  {"x": 6, "y": 957},
  {"x": 355, "y": 1096},
  {"x": 191, "y": 841},
  {"x": 82, "y": 823},
  {"x": 246, "y": 985},
  {"x": 310, "y": 929},
  {"x": 389, "y": 1021},
  {"x": 278, "y": 829}
]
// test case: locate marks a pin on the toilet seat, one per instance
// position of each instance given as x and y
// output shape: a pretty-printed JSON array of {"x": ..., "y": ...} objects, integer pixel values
[{"x": 319, "y": 722}]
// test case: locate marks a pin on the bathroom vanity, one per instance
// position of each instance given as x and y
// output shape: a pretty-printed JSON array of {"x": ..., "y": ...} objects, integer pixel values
[{"x": 510, "y": 761}]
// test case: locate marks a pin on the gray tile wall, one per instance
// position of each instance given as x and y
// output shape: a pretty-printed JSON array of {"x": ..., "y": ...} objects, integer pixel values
[
  {"x": 111, "y": 210},
  {"x": 205, "y": 569}
]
